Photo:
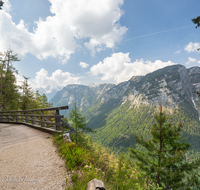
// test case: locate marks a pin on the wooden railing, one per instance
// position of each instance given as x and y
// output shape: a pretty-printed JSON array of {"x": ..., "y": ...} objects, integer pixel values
[{"x": 36, "y": 117}]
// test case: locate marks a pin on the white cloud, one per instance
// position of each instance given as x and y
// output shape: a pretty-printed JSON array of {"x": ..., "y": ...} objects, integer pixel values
[
  {"x": 83, "y": 65},
  {"x": 15, "y": 36},
  {"x": 192, "y": 60},
  {"x": 192, "y": 47},
  {"x": 6, "y": 6},
  {"x": 119, "y": 68},
  {"x": 178, "y": 51},
  {"x": 96, "y": 22},
  {"x": 57, "y": 79},
  {"x": 19, "y": 80}
]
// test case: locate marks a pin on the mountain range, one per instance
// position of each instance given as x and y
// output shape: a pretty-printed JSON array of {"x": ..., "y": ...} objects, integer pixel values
[
  {"x": 117, "y": 112},
  {"x": 49, "y": 91}
]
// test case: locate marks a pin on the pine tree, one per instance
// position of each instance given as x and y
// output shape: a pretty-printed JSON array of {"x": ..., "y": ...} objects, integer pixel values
[
  {"x": 1, "y": 4},
  {"x": 196, "y": 21},
  {"x": 27, "y": 96},
  {"x": 41, "y": 101},
  {"x": 164, "y": 163},
  {"x": 45, "y": 103},
  {"x": 79, "y": 122},
  {"x": 9, "y": 95}
]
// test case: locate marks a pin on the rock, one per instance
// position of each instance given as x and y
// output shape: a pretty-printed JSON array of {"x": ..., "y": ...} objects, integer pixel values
[
  {"x": 95, "y": 184},
  {"x": 66, "y": 137}
]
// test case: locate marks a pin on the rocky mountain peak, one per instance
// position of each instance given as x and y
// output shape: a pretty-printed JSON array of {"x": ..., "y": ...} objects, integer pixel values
[{"x": 169, "y": 86}]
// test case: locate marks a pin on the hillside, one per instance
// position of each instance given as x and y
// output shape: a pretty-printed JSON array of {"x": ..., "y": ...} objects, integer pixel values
[
  {"x": 85, "y": 96},
  {"x": 129, "y": 107}
]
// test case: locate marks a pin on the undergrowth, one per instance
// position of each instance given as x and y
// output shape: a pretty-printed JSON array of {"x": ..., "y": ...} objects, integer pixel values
[{"x": 87, "y": 160}]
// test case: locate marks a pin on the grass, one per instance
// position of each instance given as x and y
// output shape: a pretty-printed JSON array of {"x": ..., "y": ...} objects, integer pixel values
[{"x": 87, "y": 160}]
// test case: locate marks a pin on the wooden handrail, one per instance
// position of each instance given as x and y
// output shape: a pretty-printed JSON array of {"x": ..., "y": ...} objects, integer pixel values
[
  {"x": 41, "y": 109},
  {"x": 34, "y": 115},
  {"x": 22, "y": 116}
]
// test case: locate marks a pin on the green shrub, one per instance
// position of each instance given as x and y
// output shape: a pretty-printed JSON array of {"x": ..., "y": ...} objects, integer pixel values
[
  {"x": 74, "y": 177},
  {"x": 75, "y": 156}
]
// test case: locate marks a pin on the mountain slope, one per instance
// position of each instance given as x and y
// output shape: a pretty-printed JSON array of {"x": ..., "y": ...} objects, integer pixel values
[
  {"x": 127, "y": 108},
  {"x": 85, "y": 96}
]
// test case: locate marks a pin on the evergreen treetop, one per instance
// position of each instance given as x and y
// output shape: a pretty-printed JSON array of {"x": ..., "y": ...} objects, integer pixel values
[
  {"x": 1, "y": 4},
  {"x": 164, "y": 163},
  {"x": 196, "y": 21}
]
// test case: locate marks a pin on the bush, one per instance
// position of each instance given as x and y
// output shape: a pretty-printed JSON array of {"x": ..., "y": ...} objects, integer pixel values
[{"x": 74, "y": 155}]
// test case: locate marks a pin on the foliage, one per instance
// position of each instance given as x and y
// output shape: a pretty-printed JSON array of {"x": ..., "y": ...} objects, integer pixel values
[
  {"x": 27, "y": 95},
  {"x": 196, "y": 21},
  {"x": 100, "y": 164},
  {"x": 1, "y": 4},
  {"x": 124, "y": 175},
  {"x": 9, "y": 96},
  {"x": 79, "y": 121},
  {"x": 126, "y": 120},
  {"x": 30, "y": 100},
  {"x": 41, "y": 101},
  {"x": 164, "y": 163},
  {"x": 16, "y": 97},
  {"x": 74, "y": 155}
]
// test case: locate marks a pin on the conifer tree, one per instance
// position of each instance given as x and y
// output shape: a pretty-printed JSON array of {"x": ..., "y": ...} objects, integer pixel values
[
  {"x": 163, "y": 163},
  {"x": 1, "y": 4},
  {"x": 27, "y": 96},
  {"x": 9, "y": 95},
  {"x": 41, "y": 101},
  {"x": 45, "y": 103},
  {"x": 79, "y": 122},
  {"x": 196, "y": 21}
]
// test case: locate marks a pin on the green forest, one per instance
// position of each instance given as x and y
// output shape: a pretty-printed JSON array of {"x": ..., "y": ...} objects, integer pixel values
[
  {"x": 123, "y": 123},
  {"x": 12, "y": 95}
]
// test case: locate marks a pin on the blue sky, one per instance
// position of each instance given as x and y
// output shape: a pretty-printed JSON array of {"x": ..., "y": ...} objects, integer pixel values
[{"x": 63, "y": 42}]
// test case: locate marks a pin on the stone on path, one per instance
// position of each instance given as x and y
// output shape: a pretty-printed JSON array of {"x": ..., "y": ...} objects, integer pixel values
[{"x": 95, "y": 184}]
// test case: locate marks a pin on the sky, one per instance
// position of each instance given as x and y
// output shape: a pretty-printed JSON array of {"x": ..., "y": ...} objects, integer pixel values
[{"x": 63, "y": 42}]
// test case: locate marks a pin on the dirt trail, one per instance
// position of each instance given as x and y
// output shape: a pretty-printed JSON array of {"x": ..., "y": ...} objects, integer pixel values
[{"x": 28, "y": 160}]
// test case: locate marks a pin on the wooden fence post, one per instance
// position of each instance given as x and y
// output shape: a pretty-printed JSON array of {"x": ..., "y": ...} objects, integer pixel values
[
  {"x": 57, "y": 120},
  {"x": 42, "y": 124}
]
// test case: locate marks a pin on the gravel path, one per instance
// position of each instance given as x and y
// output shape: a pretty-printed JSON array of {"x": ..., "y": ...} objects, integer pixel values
[{"x": 29, "y": 160}]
